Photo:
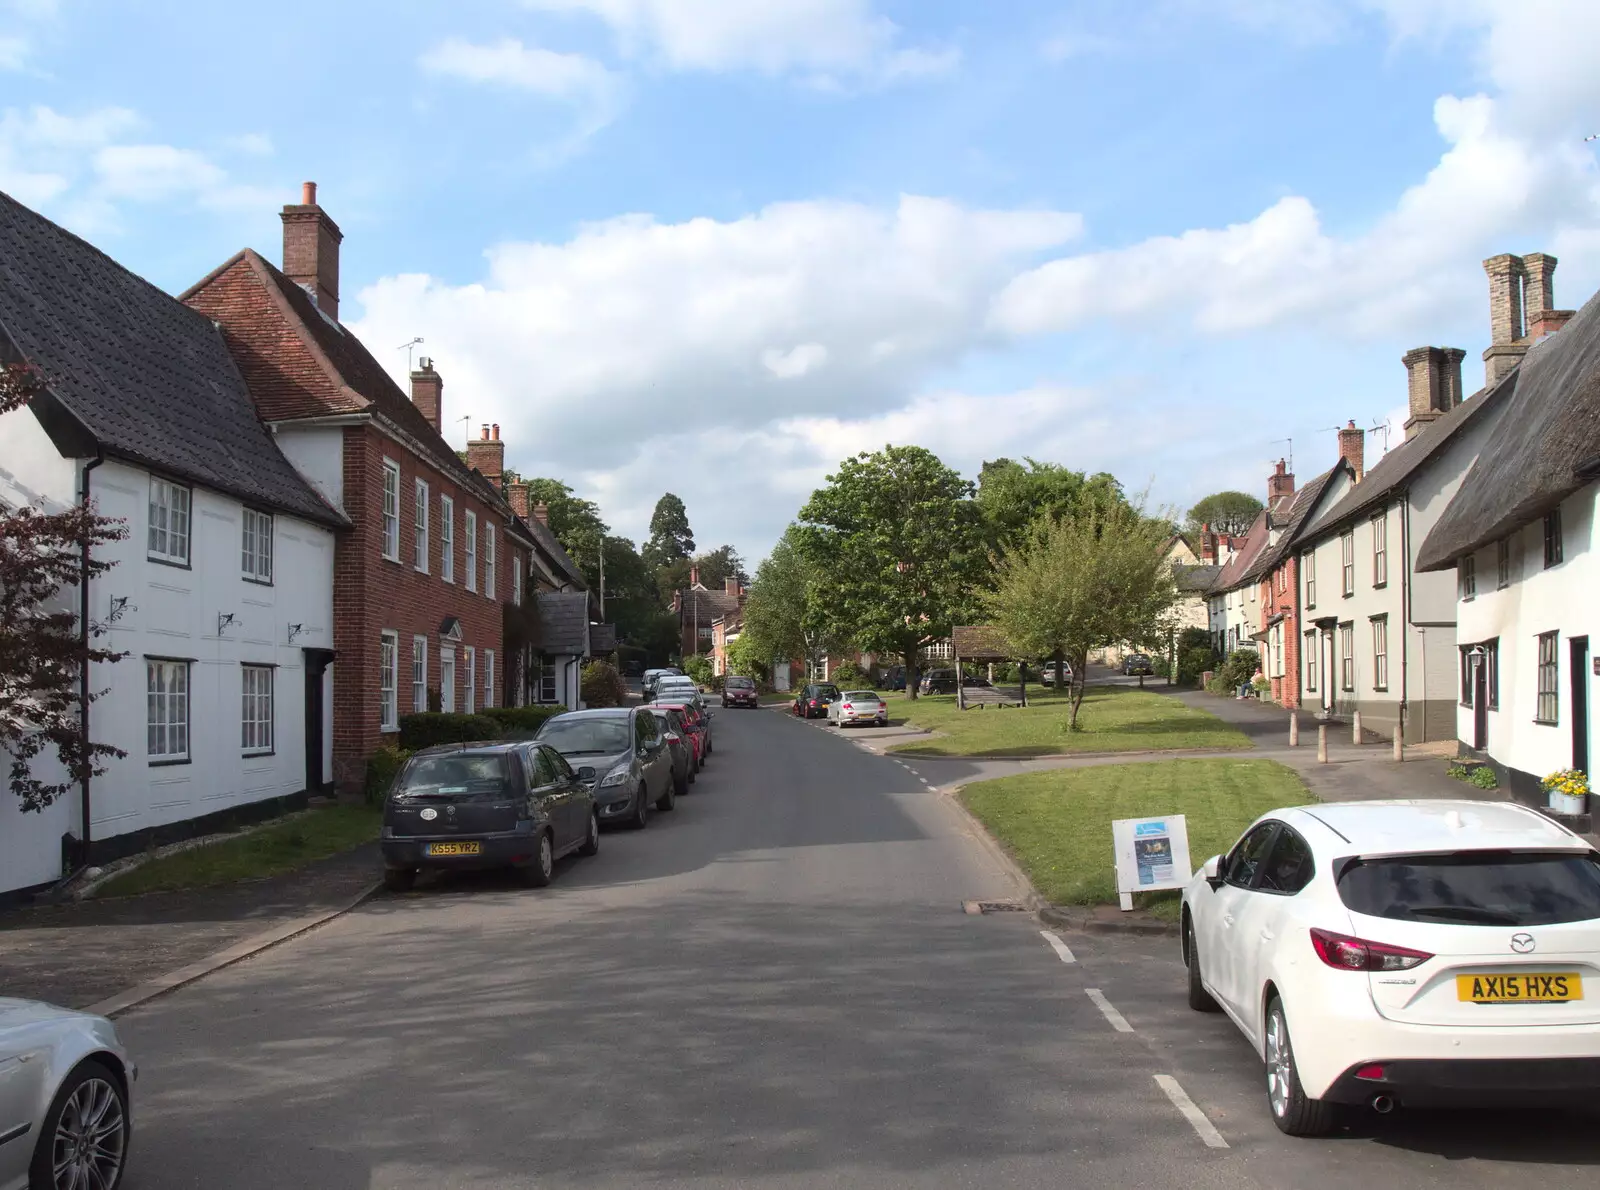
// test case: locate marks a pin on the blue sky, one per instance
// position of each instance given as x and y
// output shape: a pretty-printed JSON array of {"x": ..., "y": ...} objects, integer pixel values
[{"x": 713, "y": 248}]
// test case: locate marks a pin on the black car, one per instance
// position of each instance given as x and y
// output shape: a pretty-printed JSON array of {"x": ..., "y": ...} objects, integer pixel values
[
  {"x": 812, "y": 701},
  {"x": 939, "y": 681},
  {"x": 680, "y": 742},
  {"x": 740, "y": 692},
  {"x": 490, "y": 805},
  {"x": 1137, "y": 665},
  {"x": 622, "y": 754}
]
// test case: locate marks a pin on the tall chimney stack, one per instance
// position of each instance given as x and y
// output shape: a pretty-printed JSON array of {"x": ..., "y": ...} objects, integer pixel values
[
  {"x": 694, "y": 576},
  {"x": 1280, "y": 482},
  {"x": 1433, "y": 384},
  {"x": 1353, "y": 448},
  {"x": 1507, "y": 331},
  {"x": 427, "y": 393},
  {"x": 488, "y": 454},
  {"x": 1540, "y": 297},
  {"x": 517, "y": 494},
  {"x": 311, "y": 250},
  {"x": 541, "y": 513}
]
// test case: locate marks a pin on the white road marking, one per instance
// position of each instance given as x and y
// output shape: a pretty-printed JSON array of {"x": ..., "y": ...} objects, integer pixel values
[
  {"x": 1118, "y": 1021},
  {"x": 1203, "y": 1127},
  {"x": 1060, "y": 947}
]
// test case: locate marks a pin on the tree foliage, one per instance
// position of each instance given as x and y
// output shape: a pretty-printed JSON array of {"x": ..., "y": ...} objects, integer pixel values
[
  {"x": 746, "y": 657},
  {"x": 897, "y": 545},
  {"x": 633, "y": 602},
  {"x": 670, "y": 537},
  {"x": 576, "y": 524},
  {"x": 783, "y": 616},
  {"x": 1231, "y": 513},
  {"x": 600, "y": 685},
  {"x": 1011, "y": 496},
  {"x": 718, "y": 565},
  {"x": 1100, "y": 577},
  {"x": 44, "y": 556}
]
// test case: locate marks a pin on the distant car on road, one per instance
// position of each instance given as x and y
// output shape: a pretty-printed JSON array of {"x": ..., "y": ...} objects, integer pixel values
[
  {"x": 1423, "y": 953},
  {"x": 858, "y": 706},
  {"x": 698, "y": 720},
  {"x": 813, "y": 699},
  {"x": 1047, "y": 672},
  {"x": 653, "y": 676},
  {"x": 740, "y": 692},
  {"x": 1137, "y": 665},
  {"x": 491, "y": 805},
  {"x": 622, "y": 755},
  {"x": 938, "y": 681},
  {"x": 65, "y": 1086},
  {"x": 681, "y": 742},
  {"x": 676, "y": 689}
]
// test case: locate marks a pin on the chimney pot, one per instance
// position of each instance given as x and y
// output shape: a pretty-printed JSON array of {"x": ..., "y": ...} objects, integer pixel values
[
  {"x": 1433, "y": 383},
  {"x": 694, "y": 576},
  {"x": 541, "y": 513},
  {"x": 488, "y": 456},
  {"x": 308, "y": 194},
  {"x": 311, "y": 250},
  {"x": 495, "y": 431}
]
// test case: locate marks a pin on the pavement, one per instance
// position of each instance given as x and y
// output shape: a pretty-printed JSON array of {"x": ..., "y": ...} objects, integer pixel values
[{"x": 773, "y": 986}]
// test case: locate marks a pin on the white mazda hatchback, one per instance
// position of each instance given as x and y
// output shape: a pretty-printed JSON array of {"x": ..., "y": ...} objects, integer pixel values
[{"x": 1424, "y": 953}]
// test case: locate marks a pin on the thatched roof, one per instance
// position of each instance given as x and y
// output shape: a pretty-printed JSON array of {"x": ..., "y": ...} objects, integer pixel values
[
  {"x": 1306, "y": 502},
  {"x": 1195, "y": 578},
  {"x": 1544, "y": 448},
  {"x": 981, "y": 642}
]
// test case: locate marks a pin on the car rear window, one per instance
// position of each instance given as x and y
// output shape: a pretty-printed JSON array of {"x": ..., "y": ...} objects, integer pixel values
[
  {"x": 1491, "y": 888},
  {"x": 863, "y": 695},
  {"x": 455, "y": 775},
  {"x": 827, "y": 692}
]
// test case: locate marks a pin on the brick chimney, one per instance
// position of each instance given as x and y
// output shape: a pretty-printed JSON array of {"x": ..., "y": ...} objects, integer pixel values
[
  {"x": 1280, "y": 482},
  {"x": 1539, "y": 297},
  {"x": 730, "y": 585},
  {"x": 311, "y": 250},
  {"x": 1208, "y": 546},
  {"x": 1353, "y": 448},
  {"x": 517, "y": 493},
  {"x": 1433, "y": 384},
  {"x": 488, "y": 454},
  {"x": 694, "y": 576},
  {"x": 1507, "y": 332},
  {"x": 541, "y": 513},
  {"x": 427, "y": 393}
]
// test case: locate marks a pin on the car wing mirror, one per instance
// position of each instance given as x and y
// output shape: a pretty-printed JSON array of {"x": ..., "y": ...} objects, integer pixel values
[
  {"x": 586, "y": 773},
  {"x": 1212, "y": 869}
]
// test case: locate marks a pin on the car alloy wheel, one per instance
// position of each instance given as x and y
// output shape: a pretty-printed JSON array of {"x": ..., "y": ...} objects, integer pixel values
[
  {"x": 85, "y": 1139},
  {"x": 539, "y": 873},
  {"x": 1292, "y": 1111},
  {"x": 641, "y": 812}
]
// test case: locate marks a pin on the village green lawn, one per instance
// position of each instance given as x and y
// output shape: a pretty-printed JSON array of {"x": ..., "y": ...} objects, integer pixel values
[
  {"x": 1112, "y": 719},
  {"x": 1057, "y": 824},
  {"x": 269, "y": 850}
]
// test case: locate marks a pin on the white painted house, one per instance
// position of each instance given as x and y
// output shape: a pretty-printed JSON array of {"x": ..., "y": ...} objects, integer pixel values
[
  {"x": 1520, "y": 539},
  {"x": 222, "y": 592}
]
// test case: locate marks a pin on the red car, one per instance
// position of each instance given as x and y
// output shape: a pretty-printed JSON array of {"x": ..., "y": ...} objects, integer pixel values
[
  {"x": 740, "y": 692},
  {"x": 699, "y": 728}
]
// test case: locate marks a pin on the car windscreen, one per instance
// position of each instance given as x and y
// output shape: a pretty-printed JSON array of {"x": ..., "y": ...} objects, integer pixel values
[
  {"x": 1491, "y": 888},
  {"x": 860, "y": 695},
  {"x": 739, "y": 684},
  {"x": 454, "y": 776},
  {"x": 572, "y": 735},
  {"x": 828, "y": 692}
]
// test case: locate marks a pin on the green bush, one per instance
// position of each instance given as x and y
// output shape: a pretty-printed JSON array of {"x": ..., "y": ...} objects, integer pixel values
[
  {"x": 602, "y": 686},
  {"x": 427, "y": 728},
  {"x": 849, "y": 675},
  {"x": 382, "y": 768},
  {"x": 1478, "y": 775},
  {"x": 699, "y": 668},
  {"x": 521, "y": 720},
  {"x": 1239, "y": 669}
]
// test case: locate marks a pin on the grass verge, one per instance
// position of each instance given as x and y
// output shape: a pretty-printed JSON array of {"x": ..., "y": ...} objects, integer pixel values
[
  {"x": 1057, "y": 825},
  {"x": 270, "y": 850},
  {"x": 1112, "y": 719}
]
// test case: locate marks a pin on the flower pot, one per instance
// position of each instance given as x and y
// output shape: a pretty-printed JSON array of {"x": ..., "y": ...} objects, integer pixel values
[{"x": 1566, "y": 803}]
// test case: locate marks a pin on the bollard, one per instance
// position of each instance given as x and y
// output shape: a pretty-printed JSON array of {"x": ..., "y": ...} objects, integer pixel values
[
  {"x": 1322, "y": 743},
  {"x": 1294, "y": 729},
  {"x": 1355, "y": 727},
  {"x": 1399, "y": 742}
]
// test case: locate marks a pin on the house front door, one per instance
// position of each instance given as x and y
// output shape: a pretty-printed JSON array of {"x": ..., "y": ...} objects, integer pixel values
[
  {"x": 1580, "y": 703},
  {"x": 316, "y": 666}
]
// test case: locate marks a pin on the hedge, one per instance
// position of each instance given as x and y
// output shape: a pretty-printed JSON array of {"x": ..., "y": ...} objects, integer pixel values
[
  {"x": 382, "y": 768},
  {"x": 427, "y": 728},
  {"x": 520, "y": 720}
]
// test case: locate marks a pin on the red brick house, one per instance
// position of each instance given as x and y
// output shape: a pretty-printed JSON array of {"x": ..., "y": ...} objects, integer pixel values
[
  {"x": 435, "y": 549},
  {"x": 698, "y": 608}
]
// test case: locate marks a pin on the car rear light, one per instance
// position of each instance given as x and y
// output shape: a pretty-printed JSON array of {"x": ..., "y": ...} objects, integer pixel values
[
  {"x": 1358, "y": 954},
  {"x": 1372, "y": 1073},
  {"x": 848, "y": 707}
]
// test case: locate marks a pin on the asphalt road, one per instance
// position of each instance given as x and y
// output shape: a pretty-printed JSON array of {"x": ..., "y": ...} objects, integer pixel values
[{"x": 772, "y": 986}]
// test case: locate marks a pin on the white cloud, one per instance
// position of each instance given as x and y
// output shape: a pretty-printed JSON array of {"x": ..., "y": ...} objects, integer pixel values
[
  {"x": 509, "y": 63},
  {"x": 1064, "y": 46},
  {"x": 822, "y": 39},
  {"x": 148, "y": 173},
  {"x": 792, "y": 364}
]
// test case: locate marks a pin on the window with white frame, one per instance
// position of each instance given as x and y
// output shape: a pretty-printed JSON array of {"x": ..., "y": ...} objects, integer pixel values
[
  {"x": 255, "y": 718},
  {"x": 447, "y": 539},
  {"x": 470, "y": 656},
  {"x": 516, "y": 578},
  {"x": 488, "y": 677},
  {"x": 488, "y": 560},
  {"x": 1347, "y": 656},
  {"x": 547, "y": 681},
  {"x": 1502, "y": 559},
  {"x": 1311, "y": 579},
  {"x": 419, "y": 531},
  {"x": 1347, "y": 558},
  {"x": 166, "y": 709},
  {"x": 1310, "y": 655},
  {"x": 388, "y": 676},
  {"x": 1467, "y": 576},
  {"x": 169, "y": 522},
  {"x": 472, "y": 551},
  {"x": 256, "y": 553},
  {"x": 447, "y": 679},
  {"x": 1277, "y": 650},
  {"x": 1380, "y": 652},
  {"x": 1380, "y": 550},
  {"x": 391, "y": 510},
  {"x": 419, "y": 673}
]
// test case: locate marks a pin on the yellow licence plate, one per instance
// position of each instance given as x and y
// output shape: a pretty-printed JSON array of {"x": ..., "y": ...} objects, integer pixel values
[
  {"x": 1545, "y": 987},
  {"x": 464, "y": 848}
]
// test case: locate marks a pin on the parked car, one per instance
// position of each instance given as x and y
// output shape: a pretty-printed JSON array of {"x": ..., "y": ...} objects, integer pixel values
[
  {"x": 1047, "y": 672},
  {"x": 894, "y": 678},
  {"x": 698, "y": 720},
  {"x": 977, "y": 682},
  {"x": 622, "y": 755},
  {"x": 1418, "y": 953},
  {"x": 814, "y": 698},
  {"x": 858, "y": 706},
  {"x": 681, "y": 742},
  {"x": 679, "y": 690},
  {"x": 66, "y": 1114},
  {"x": 1137, "y": 664},
  {"x": 652, "y": 676},
  {"x": 490, "y": 805},
  {"x": 740, "y": 692}
]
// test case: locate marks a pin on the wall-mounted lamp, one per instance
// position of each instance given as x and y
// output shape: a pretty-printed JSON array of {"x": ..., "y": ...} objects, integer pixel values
[
  {"x": 223, "y": 620},
  {"x": 295, "y": 630}
]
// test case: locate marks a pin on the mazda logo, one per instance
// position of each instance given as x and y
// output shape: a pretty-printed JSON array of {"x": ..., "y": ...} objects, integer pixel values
[{"x": 1522, "y": 943}]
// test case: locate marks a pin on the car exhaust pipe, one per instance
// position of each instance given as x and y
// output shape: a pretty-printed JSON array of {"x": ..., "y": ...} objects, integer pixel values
[{"x": 1383, "y": 1104}]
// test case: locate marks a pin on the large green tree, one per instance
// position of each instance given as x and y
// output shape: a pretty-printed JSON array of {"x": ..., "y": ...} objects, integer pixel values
[
  {"x": 718, "y": 565},
  {"x": 576, "y": 524},
  {"x": 633, "y": 603},
  {"x": 1097, "y": 578},
  {"x": 784, "y": 617},
  {"x": 1012, "y": 495},
  {"x": 670, "y": 537},
  {"x": 897, "y": 542},
  {"x": 1226, "y": 512}
]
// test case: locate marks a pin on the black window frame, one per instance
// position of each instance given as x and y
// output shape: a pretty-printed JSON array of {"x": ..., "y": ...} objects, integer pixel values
[
  {"x": 1554, "y": 553},
  {"x": 1467, "y": 577},
  {"x": 1548, "y": 694},
  {"x": 1270, "y": 827}
]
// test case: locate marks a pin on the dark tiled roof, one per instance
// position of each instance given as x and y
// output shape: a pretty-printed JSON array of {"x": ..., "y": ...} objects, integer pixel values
[
  {"x": 1195, "y": 578},
  {"x": 148, "y": 378},
  {"x": 602, "y": 638},
  {"x": 564, "y": 622},
  {"x": 1305, "y": 503},
  {"x": 711, "y": 603},
  {"x": 561, "y": 563},
  {"x": 1542, "y": 450},
  {"x": 1232, "y": 572}
]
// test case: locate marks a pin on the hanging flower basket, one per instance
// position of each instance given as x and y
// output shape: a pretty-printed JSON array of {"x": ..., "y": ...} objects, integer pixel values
[{"x": 1568, "y": 791}]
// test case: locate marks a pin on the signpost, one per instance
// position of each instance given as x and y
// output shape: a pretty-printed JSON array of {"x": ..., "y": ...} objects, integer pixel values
[{"x": 1152, "y": 854}]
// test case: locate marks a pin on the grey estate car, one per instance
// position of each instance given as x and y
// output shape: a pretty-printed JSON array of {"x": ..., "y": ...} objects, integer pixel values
[{"x": 622, "y": 754}]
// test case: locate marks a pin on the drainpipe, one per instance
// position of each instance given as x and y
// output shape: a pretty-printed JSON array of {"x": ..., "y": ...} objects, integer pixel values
[{"x": 83, "y": 689}]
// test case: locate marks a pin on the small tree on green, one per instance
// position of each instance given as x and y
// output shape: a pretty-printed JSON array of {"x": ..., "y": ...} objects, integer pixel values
[
  {"x": 784, "y": 617},
  {"x": 1231, "y": 513},
  {"x": 1097, "y": 578}
]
